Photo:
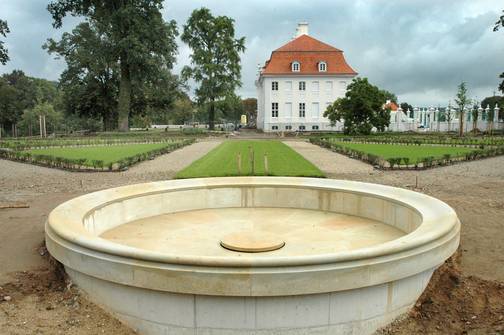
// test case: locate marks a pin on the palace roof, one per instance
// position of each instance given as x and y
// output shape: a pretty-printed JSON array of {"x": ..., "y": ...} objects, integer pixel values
[{"x": 309, "y": 52}]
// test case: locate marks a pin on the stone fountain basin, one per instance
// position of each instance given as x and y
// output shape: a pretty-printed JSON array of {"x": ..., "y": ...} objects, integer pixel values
[{"x": 356, "y": 255}]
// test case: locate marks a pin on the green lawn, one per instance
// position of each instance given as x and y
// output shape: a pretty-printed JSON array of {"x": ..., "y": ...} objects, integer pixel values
[
  {"x": 223, "y": 161},
  {"x": 107, "y": 154},
  {"x": 414, "y": 152}
]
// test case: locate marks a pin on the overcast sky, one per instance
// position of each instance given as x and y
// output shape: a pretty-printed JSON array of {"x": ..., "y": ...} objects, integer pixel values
[{"x": 418, "y": 49}]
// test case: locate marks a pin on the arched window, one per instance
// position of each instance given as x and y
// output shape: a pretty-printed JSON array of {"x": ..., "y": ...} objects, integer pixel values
[
  {"x": 322, "y": 66},
  {"x": 296, "y": 66}
]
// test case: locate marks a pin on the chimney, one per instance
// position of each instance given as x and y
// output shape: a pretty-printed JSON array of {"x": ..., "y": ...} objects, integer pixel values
[{"x": 302, "y": 29}]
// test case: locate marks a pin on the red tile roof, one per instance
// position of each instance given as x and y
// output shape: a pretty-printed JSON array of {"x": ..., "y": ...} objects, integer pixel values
[
  {"x": 309, "y": 52},
  {"x": 392, "y": 105}
]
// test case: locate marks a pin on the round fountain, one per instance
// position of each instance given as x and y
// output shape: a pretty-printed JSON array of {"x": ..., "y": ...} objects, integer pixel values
[{"x": 253, "y": 255}]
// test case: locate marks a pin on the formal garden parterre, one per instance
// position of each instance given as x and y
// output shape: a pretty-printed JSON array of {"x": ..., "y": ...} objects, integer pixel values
[
  {"x": 257, "y": 158},
  {"x": 412, "y": 153},
  {"x": 103, "y": 155}
]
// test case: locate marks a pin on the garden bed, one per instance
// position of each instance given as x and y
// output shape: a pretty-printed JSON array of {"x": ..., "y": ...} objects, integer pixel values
[
  {"x": 94, "y": 158},
  {"x": 223, "y": 161},
  {"x": 401, "y": 156}
]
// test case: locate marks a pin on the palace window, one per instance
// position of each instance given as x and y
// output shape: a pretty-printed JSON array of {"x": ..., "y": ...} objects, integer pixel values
[
  {"x": 302, "y": 109},
  {"x": 301, "y": 128},
  {"x": 274, "y": 127},
  {"x": 296, "y": 66},
  {"x": 302, "y": 86},
  {"x": 315, "y": 110},
  {"x": 322, "y": 66},
  {"x": 274, "y": 85},
  {"x": 274, "y": 109},
  {"x": 288, "y": 127},
  {"x": 315, "y": 86},
  {"x": 315, "y": 127}
]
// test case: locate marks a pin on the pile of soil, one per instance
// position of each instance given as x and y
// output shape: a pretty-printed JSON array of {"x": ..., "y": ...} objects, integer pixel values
[
  {"x": 45, "y": 302},
  {"x": 454, "y": 304}
]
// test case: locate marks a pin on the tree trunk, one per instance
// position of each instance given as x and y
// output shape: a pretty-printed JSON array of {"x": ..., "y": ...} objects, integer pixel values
[
  {"x": 211, "y": 115},
  {"x": 461, "y": 124},
  {"x": 124, "y": 96}
]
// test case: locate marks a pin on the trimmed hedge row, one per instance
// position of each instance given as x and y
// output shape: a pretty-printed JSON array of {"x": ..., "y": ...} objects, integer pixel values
[
  {"x": 419, "y": 140},
  {"x": 404, "y": 162},
  {"x": 96, "y": 165},
  {"x": 19, "y": 145}
]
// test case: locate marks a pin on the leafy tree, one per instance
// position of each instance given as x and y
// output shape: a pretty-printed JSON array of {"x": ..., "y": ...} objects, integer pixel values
[
  {"x": 501, "y": 86},
  {"x": 183, "y": 110},
  {"x": 448, "y": 115},
  {"x": 215, "y": 60},
  {"x": 154, "y": 98},
  {"x": 492, "y": 102},
  {"x": 90, "y": 81},
  {"x": 139, "y": 39},
  {"x": 499, "y": 23},
  {"x": 4, "y": 30},
  {"x": 361, "y": 108},
  {"x": 462, "y": 102},
  {"x": 390, "y": 96},
  {"x": 474, "y": 115},
  {"x": 250, "y": 109},
  {"x": 405, "y": 107}
]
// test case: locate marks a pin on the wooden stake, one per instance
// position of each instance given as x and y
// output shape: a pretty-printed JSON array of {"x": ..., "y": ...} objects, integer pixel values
[
  {"x": 40, "y": 126},
  {"x": 239, "y": 164},
  {"x": 266, "y": 170}
]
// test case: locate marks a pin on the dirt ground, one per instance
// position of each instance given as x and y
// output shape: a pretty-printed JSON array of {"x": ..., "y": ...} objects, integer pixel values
[{"x": 466, "y": 295}]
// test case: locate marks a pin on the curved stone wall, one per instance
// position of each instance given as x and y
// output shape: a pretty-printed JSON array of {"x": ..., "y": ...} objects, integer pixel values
[{"x": 356, "y": 290}]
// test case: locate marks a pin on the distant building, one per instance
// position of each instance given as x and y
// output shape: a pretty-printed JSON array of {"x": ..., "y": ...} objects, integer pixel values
[{"x": 298, "y": 82}]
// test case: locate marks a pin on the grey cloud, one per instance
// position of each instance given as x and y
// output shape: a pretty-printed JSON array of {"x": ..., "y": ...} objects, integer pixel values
[{"x": 418, "y": 49}]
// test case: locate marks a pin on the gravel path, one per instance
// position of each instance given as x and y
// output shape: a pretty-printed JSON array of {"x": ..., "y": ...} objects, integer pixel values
[
  {"x": 44, "y": 188},
  {"x": 331, "y": 163},
  {"x": 19, "y": 181}
]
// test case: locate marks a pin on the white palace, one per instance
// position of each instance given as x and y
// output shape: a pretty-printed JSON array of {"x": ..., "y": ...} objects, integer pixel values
[
  {"x": 298, "y": 82},
  {"x": 304, "y": 76}
]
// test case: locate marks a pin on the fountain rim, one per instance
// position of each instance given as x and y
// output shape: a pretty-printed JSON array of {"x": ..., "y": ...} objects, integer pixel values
[{"x": 439, "y": 221}]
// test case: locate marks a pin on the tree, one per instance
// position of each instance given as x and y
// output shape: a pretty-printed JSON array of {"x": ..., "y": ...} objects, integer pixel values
[
  {"x": 462, "y": 102},
  {"x": 390, "y": 96},
  {"x": 475, "y": 115},
  {"x": 90, "y": 83},
  {"x": 501, "y": 85},
  {"x": 215, "y": 58},
  {"x": 4, "y": 30},
  {"x": 140, "y": 40},
  {"x": 493, "y": 101},
  {"x": 250, "y": 109},
  {"x": 183, "y": 110},
  {"x": 499, "y": 24},
  {"x": 361, "y": 108},
  {"x": 405, "y": 107},
  {"x": 449, "y": 115}
]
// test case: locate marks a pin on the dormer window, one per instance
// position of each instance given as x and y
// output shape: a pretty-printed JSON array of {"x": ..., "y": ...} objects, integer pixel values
[
  {"x": 322, "y": 66},
  {"x": 296, "y": 66}
]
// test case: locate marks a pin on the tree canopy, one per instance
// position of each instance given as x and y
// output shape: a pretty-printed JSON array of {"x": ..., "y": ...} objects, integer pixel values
[
  {"x": 141, "y": 42},
  {"x": 215, "y": 58},
  {"x": 499, "y": 24},
  {"x": 4, "y": 30},
  {"x": 462, "y": 101},
  {"x": 250, "y": 109},
  {"x": 361, "y": 108}
]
